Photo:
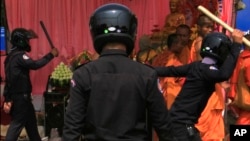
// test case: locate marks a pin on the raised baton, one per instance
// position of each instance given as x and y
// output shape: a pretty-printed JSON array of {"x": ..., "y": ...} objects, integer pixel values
[{"x": 47, "y": 35}]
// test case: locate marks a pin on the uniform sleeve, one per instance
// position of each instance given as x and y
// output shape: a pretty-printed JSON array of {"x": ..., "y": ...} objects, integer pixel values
[
  {"x": 227, "y": 68},
  {"x": 173, "y": 71},
  {"x": 7, "y": 97},
  {"x": 29, "y": 63},
  {"x": 158, "y": 110},
  {"x": 76, "y": 109}
]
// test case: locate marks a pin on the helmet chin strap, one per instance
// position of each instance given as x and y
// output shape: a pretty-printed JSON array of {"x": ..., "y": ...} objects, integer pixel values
[
  {"x": 28, "y": 49},
  {"x": 209, "y": 60}
]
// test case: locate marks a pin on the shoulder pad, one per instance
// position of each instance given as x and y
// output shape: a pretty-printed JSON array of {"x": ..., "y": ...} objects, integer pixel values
[{"x": 16, "y": 53}]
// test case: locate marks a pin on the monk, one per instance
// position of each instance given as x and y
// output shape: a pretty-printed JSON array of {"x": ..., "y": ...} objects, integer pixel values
[
  {"x": 184, "y": 32},
  {"x": 174, "y": 54},
  {"x": 243, "y": 65},
  {"x": 204, "y": 26}
]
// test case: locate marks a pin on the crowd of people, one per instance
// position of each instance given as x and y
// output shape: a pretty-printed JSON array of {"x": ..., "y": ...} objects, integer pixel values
[
  {"x": 175, "y": 83},
  {"x": 180, "y": 96},
  {"x": 213, "y": 123}
]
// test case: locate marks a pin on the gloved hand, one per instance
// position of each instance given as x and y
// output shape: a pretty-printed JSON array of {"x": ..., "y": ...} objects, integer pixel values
[
  {"x": 55, "y": 52},
  {"x": 237, "y": 36}
]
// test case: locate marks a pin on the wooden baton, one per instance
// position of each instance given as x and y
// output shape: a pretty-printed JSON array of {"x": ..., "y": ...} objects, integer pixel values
[{"x": 47, "y": 34}]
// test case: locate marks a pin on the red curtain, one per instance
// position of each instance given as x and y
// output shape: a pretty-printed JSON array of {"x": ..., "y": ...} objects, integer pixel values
[{"x": 67, "y": 23}]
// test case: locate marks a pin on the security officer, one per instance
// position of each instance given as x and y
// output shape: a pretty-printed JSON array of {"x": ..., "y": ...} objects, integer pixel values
[
  {"x": 219, "y": 58},
  {"x": 17, "y": 91},
  {"x": 111, "y": 96}
]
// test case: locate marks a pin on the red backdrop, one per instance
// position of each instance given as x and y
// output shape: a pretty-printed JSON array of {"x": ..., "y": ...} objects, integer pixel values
[{"x": 67, "y": 23}]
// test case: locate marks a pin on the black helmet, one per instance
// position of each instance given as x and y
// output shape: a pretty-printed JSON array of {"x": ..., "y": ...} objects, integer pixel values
[
  {"x": 215, "y": 45},
  {"x": 20, "y": 38},
  {"x": 113, "y": 23}
]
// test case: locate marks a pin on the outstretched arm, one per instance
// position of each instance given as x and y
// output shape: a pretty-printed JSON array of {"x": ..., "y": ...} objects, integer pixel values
[
  {"x": 172, "y": 71},
  {"x": 29, "y": 63}
]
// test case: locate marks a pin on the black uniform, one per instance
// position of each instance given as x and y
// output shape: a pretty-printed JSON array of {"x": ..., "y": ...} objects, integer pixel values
[
  {"x": 198, "y": 87},
  {"x": 18, "y": 89},
  {"x": 109, "y": 100}
]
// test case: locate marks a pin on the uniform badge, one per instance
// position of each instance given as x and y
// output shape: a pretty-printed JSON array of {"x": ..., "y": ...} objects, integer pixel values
[
  {"x": 159, "y": 86},
  {"x": 73, "y": 84},
  {"x": 25, "y": 57}
]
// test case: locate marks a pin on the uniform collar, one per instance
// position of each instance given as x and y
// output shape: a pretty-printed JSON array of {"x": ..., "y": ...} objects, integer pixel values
[{"x": 113, "y": 52}]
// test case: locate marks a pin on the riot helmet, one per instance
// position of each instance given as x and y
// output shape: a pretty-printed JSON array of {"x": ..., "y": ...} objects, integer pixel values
[
  {"x": 113, "y": 23},
  {"x": 20, "y": 38},
  {"x": 216, "y": 45}
]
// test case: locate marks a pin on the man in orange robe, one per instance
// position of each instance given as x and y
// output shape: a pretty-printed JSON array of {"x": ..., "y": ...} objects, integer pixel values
[
  {"x": 242, "y": 115},
  {"x": 243, "y": 64},
  {"x": 176, "y": 55},
  {"x": 184, "y": 32}
]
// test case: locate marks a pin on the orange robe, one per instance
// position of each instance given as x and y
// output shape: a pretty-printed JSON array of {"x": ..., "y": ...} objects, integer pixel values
[
  {"x": 194, "y": 51},
  {"x": 170, "y": 85},
  {"x": 185, "y": 55},
  {"x": 211, "y": 122},
  {"x": 243, "y": 115},
  {"x": 161, "y": 58}
]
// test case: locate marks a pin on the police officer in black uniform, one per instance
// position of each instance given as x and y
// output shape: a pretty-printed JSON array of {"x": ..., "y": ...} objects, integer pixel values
[
  {"x": 111, "y": 96},
  {"x": 219, "y": 58},
  {"x": 17, "y": 91}
]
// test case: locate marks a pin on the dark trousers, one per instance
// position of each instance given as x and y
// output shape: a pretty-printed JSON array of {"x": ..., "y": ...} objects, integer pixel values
[
  {"x": 183, "y": 132},
  {"x": 23, "y": 116}
]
